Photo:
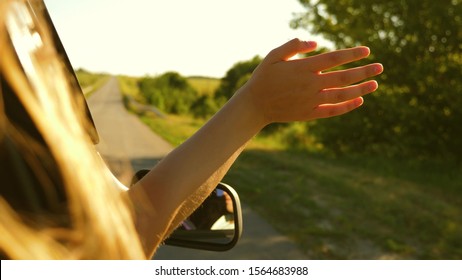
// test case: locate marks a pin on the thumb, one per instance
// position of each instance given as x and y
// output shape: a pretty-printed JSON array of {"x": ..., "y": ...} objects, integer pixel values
[{"x": 290, "y": 49}]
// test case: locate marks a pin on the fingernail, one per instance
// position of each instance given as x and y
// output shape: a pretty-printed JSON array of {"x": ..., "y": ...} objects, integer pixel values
[
  {"x": 311, "y": 44},
  {"x": 378, "y": 68},
  {"x": 363, "y": 51},
  {"x": 367, "y": 51},
  {"x": 373, "y": 86}
]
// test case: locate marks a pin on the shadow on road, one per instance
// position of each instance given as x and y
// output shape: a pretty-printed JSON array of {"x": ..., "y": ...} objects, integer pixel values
[
  {"x": 259, "y": 241},
  {"x": 144, "y": 163},
  {"x": 124, "y": 168}
]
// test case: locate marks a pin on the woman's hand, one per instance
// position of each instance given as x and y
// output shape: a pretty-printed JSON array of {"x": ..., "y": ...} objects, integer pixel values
[{"x": 286, "y": 90}]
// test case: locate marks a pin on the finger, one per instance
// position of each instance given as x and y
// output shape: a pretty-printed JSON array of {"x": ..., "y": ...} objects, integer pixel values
[
  {"x": 331, "y": 110},
  {"x": 338, "y": 95},
  {"x": 325, "y": 61},
  {"x": 349, "y": 76},
  {"x": 290, "y": 49}
]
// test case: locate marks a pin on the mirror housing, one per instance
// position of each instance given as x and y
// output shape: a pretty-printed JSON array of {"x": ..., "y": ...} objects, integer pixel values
[{"x": 216, "y": 225}]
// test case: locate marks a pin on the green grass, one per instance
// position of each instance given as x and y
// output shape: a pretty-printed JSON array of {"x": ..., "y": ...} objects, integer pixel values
[
  {"x": 335, "y": 209},
  {"x": 345, "y": 208},
  {"x": 90, "y": 82},
  {"x": 174, "y": 129}
]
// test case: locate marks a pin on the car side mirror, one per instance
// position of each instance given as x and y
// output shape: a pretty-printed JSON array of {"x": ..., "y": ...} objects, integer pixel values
[{"x": 216, "y": 225}]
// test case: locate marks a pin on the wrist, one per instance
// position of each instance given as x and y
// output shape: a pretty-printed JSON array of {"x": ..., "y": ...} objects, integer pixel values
[{"x": 250, "y": 108}]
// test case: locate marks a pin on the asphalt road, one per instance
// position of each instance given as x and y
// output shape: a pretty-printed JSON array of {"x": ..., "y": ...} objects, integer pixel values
[{"x": 127, "y": 144}]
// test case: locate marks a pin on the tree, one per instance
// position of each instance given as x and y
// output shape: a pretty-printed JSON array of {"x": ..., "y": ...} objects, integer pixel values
[
  {"x": 417, "y": 110},
  {"x": 236, "y": 77},
  {"x": 204, "y": 107}
]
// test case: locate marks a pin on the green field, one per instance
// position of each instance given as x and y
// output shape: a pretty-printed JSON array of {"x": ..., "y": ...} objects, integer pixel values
[{"x": 204, "y": 85}]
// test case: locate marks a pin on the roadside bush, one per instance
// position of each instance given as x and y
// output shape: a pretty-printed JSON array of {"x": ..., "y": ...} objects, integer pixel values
[
  {"x": 170, "y": 93},
  {"x": 204, "y": 107}
]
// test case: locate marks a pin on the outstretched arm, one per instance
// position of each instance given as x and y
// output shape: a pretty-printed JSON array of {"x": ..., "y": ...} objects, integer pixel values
[{"x": 280, "y": 90}]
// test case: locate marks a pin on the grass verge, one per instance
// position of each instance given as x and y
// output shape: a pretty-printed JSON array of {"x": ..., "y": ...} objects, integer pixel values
[
  {"x": 338, "y": 210},
  {"x": 90, "y": 82}
]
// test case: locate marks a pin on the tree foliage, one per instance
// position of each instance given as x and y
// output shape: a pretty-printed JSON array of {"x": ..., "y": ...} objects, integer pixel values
[
  {"x": 417, "y": 111},
  {"x": 204, "y": 107},
  {"x": 236, "y": 77},
  {"x": 169, "y": 92}
]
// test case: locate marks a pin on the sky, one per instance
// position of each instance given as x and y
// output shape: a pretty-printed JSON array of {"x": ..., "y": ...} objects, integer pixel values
[{"x": 151, "y": 37}]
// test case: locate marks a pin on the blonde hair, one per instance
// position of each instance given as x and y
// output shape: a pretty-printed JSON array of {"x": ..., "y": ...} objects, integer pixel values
[{"x": 101, "y": 223}]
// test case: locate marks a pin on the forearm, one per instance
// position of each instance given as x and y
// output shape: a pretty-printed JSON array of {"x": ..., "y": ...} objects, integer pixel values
[
  {"x": 185, "y": 177},
  {"x": 198, "y": 197}
]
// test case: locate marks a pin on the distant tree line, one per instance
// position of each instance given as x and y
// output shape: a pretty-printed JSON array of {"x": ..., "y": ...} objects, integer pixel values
[{"x": 172, "y": 93}]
